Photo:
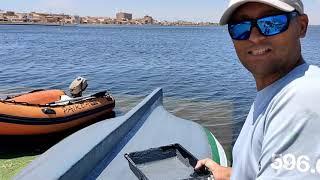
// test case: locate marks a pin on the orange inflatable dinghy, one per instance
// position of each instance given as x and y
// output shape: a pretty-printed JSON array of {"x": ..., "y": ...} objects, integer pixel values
[{"x": 43, "y": 112}]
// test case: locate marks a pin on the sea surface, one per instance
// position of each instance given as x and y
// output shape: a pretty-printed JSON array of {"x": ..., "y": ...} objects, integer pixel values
[{"x": 197, "y": 67}]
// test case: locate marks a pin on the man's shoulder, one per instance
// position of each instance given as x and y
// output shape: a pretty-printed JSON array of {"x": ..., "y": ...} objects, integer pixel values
[
  {"x": 312, "y": 71},
  {"x": 300, "y": 94},
  {"x": 300, "y": 85},
  {"x": 304, "y": 89},
  {"x": 297, "y": 101},
  {"x": 309, "y": 82}
]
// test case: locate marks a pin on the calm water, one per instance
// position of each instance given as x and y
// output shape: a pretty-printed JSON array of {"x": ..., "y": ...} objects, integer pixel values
[{"x": 196, "y": 66}]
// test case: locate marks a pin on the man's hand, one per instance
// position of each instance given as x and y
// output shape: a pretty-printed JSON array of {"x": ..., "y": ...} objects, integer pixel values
[{"x": 219, "y": 172}]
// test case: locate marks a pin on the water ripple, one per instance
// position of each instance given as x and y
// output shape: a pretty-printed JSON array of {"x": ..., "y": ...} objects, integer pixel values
[{"x": 196, "y": 66}]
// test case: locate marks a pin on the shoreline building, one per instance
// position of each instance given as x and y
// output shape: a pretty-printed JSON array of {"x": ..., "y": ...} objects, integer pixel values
[
  {"x": 148, "y": 20},
  {"x": 2, "y": 16},
  {"x": 121, "y": 16}
]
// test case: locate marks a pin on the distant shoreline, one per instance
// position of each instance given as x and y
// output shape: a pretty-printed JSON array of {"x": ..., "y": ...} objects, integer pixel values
[
  {"x": 57, "y": 24},
  {"x": 35, "y": 24},
  {"x": 71, "y": 25}
]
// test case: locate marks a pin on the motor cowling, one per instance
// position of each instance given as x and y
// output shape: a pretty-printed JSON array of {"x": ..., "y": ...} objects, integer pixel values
[{"x": 78, "y": 86}]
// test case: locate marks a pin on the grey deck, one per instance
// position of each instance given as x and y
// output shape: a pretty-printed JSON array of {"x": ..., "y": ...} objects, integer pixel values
[{"x": 97, "y": 152}]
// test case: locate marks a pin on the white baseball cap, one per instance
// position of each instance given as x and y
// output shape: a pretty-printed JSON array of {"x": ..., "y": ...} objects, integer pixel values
[{"x": 283, "y": 5}]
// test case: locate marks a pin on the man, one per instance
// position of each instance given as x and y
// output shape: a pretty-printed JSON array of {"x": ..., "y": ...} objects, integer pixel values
[{"x": 279, "y": 137}]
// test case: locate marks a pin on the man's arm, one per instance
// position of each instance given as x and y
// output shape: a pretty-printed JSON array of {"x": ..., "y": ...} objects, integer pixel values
[{"x": 290, "y": 147}]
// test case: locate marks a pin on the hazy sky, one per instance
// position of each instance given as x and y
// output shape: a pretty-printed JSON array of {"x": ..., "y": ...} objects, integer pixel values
[{"x": 193, "y": 10}]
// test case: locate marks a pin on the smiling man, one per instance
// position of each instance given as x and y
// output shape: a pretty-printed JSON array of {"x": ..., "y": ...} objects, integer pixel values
[{"x": 279, "y": 139}]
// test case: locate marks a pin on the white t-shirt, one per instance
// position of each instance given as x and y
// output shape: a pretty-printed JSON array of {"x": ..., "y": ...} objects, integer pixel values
[{"x": 281, "y": 135}]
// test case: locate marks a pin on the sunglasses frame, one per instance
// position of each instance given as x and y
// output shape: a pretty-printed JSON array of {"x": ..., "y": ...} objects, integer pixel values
[{"x": 254, "y": 23}]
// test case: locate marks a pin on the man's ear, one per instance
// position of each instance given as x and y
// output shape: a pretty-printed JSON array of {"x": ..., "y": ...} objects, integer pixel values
[{"x": 303, "y": 24}]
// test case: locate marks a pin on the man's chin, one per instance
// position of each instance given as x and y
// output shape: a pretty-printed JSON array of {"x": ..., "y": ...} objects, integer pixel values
[{"x": 261, "y": 70}]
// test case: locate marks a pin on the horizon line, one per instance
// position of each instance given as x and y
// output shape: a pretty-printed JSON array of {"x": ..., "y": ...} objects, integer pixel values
[{"x": 158, "y": 19}]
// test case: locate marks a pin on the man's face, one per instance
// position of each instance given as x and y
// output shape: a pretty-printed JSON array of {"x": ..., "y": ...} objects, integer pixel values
[{"x": 265, "y": 56}]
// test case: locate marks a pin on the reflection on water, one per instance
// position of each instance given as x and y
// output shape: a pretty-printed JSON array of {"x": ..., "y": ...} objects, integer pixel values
[
  {"x": 197, "y": 67},
  {"x": 216, "y": 116}
]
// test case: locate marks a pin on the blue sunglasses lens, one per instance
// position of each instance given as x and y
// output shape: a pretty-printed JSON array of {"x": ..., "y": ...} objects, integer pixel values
[
  {"x": 273, "y": 25},
  {"x": 240, "y": 31},
  {"x": 268, "y": 26}
]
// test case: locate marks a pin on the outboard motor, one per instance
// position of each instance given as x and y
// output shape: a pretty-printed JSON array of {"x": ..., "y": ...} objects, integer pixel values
[{"x": 78, "y": 86}]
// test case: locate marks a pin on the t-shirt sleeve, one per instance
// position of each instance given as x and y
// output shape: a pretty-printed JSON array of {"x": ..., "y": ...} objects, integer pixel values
[{"x": 291, "y": 142}]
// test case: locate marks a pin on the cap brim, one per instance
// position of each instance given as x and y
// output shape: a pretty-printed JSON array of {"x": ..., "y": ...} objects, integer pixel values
[{"x": 274, "y": 3}]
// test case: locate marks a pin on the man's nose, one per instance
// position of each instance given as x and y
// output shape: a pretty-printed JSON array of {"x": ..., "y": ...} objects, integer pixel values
[{"x": 256, "y": 36}]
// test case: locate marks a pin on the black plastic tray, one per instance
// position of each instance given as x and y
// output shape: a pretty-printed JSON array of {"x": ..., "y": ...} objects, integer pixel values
[{"x": 170, "y": 162}]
